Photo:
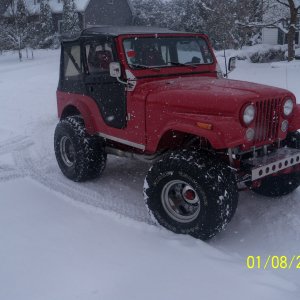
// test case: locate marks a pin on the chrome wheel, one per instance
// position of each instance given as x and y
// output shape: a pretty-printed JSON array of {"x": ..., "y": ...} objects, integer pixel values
[
  {"x": 67, "y": 151},
  {"x": 180, "y": 201}
]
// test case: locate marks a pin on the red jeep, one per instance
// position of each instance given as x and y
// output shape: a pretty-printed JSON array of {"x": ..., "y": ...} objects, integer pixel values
[{"x": 158, "y": 96}]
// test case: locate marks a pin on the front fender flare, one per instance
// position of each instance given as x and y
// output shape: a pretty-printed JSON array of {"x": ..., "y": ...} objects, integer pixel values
[{"x": 226, "y": 132}]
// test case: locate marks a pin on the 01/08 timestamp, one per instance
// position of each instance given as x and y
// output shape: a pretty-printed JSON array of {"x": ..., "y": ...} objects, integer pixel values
[{"x": 273, "y": 262}]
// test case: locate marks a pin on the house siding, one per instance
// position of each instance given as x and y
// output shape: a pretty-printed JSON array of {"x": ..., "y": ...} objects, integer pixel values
[
  {"x": 107, "y": 12},
  {"x": 270, "y": 36},
  {"x": 273, "y": 36}
]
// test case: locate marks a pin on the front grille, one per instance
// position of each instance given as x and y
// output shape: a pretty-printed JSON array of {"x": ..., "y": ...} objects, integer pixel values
[{"x": 267, "y": 119}]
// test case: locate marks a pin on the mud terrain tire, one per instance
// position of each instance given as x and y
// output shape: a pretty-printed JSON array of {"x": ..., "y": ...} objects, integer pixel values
[
  {"x": 191, "y": 193},
  {"x": 79, "y": 155}
]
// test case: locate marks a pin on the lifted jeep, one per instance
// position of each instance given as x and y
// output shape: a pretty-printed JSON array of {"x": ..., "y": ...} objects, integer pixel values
[{"x": 157, "y": 95}]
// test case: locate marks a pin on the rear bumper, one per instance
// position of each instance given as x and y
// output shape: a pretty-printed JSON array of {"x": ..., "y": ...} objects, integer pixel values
[{"x": 275, "y": 162}]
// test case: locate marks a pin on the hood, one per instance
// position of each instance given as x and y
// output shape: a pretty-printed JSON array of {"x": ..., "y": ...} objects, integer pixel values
[{"x": 206, "y": 95}]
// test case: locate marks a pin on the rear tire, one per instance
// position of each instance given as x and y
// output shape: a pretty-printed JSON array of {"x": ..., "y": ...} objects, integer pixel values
[
  {"x": 191, "y": 193},
  {"x": 79, "y": 155},
  {"x": 284, "y": 184}
]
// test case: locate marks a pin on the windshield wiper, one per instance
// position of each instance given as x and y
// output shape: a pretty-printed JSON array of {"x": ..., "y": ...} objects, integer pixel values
[
  {"x": 139, "y": 66},
  {"x": 175, "y": 63}
]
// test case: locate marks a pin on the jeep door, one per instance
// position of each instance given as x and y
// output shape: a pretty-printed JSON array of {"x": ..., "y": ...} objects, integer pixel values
[{"x": 108, "y": 93}]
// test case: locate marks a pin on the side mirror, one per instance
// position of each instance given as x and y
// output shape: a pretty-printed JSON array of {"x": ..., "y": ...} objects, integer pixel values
[
  {"x": 115, "y": 69},
  {"x": 232, "y": 64}
]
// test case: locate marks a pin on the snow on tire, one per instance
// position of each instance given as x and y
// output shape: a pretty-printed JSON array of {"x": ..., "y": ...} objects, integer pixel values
[
  {"x": 79, "y": 156},
  {"x": 191, "y": 193}
]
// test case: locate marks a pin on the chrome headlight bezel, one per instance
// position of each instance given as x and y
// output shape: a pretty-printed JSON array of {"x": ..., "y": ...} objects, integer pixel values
[
  {"x": 248, "y": 114},
  {"x": 287, "y": 107}
]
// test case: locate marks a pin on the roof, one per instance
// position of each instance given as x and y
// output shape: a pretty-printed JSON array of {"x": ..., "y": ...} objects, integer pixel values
[{"x": 116, "y": 30}]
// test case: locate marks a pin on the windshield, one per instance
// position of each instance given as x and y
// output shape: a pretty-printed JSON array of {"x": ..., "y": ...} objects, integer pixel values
[{"x": 167, "y": 52}]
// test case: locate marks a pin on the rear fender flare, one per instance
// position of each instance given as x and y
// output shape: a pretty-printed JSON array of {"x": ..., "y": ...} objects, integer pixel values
[{"x": 88, "y": 112}]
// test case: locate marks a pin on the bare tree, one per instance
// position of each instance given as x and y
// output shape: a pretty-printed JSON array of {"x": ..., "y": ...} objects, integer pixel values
[
  {"x": 16, "y": 29},
  {"x": 294, "y": 8},
  {"x": 216, "y": 18}
]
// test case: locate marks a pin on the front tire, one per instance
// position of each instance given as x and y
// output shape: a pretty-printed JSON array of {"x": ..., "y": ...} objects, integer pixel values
[
  {"x": 284, "y": 184},
  {"x": 191, "y": 193},
  {"x": 79, "y": 155}
]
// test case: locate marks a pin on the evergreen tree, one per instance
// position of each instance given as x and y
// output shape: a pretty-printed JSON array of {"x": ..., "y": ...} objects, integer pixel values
[
  {"x": 21, "y": 15},
  {"x": 46, "y": 24},
  {"x": 70, "y": 24},
  {"x": 149, "y": 13},
  {"x": 4, "y": 43}
]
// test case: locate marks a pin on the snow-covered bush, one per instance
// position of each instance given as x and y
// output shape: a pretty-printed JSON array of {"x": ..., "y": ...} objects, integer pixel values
[
  {"x": 270, "y": 55},
  {"x": 260, "y": 53},
  {"x": 297, "y": 53}
]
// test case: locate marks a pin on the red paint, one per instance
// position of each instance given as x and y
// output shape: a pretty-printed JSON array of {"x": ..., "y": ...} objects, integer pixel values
[{"x": 177, "y": 99}]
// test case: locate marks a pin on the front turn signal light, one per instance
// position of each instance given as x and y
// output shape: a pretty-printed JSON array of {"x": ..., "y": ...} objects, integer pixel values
[{"x": 206, "y": 126}]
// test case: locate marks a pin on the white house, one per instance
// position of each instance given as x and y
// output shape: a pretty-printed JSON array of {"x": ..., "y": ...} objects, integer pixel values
[{"x": 277, "y": 34}]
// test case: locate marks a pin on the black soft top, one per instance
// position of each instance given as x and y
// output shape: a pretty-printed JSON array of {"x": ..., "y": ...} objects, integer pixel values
[
  {"x": 116, "y": 30},
  {"x": 113, "y": 31}
]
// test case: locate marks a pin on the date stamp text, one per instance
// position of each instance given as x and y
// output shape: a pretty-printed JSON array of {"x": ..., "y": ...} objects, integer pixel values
[{"x": 273, "y": 262}]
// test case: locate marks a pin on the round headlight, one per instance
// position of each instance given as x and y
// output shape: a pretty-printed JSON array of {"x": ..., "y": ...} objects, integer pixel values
[
  {"x": 284, "y": 126},
  {"x": 248, "y": 114},
  {"x": 250, "y": 134},
  {"x": 288, "y": 107}
]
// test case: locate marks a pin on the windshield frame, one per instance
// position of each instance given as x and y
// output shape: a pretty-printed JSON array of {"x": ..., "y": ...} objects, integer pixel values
[{"x": 185, "y": 68}]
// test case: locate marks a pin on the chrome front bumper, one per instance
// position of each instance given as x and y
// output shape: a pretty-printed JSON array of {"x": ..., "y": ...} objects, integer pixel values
[{"x": 272, "y": 163}]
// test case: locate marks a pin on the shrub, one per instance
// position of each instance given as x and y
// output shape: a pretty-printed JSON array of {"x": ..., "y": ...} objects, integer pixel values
[{"x": 270, "y": 55}]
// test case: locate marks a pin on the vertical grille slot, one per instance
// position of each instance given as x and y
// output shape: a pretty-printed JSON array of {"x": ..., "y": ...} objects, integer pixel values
[{"x": 267, "y": 119}]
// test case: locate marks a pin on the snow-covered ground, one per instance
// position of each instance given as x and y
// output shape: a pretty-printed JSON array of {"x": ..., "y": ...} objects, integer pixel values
[{"x": 64, "y": 240}]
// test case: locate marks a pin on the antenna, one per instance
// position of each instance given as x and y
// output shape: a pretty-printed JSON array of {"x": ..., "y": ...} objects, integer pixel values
[
  {"x": 226, "y": 70},
  {"x": 286, "y": 76}
]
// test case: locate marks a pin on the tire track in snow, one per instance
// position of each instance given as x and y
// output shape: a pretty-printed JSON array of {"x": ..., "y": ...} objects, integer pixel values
[
  {"x": 14, "y": 144},
  {"x": 8, "y": 173},
  {"x": 106, "y": 193},
  {"x": 109, "y": 198}
]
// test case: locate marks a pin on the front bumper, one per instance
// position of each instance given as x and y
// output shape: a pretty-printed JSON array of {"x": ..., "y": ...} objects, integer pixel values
[{"x": 274, "y": 162}]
